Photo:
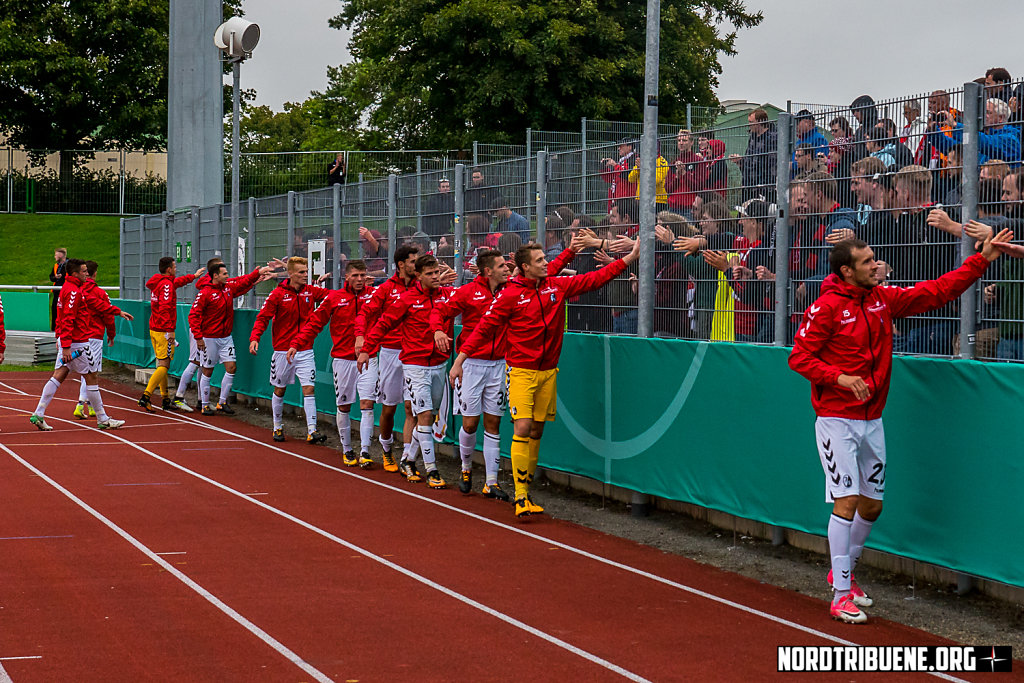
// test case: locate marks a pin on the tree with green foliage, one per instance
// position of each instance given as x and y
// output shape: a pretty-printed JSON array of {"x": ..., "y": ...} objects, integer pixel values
[{"x": 440, "y": 73}]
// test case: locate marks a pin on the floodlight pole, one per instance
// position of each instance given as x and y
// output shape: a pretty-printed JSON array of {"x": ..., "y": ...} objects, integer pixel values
[{"x": 236, "y": 106}]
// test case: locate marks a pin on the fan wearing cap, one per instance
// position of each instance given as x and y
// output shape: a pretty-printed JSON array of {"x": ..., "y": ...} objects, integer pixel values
[
  {"x": 752, "y": 274},
  {"x": 616, "y": 173},
  {"x": 807, "y": 133}
]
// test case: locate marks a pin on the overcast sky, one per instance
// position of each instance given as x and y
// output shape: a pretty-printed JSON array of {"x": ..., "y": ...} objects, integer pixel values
[{"x": 819, "y": 51}]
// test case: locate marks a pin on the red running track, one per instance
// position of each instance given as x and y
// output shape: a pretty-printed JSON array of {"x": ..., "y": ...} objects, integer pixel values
[{"x": 184, "y": 548}]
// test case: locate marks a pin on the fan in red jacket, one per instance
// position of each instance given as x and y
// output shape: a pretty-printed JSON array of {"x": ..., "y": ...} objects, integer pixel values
[
  {"x": 531, "y": 309},
  {"x": 423, "y": 364},
  {"x": 616, "y": 173},
  {"x": 75, "y": 308},
  {"x": 844, "y": 347},
  {"x": 211, "y": 319},
  {"x": 482, "y": 389},
  {"x": 341, "y": 308},
  {"x": 163, "y": 319},
  {"x": 289, "y": 306}
]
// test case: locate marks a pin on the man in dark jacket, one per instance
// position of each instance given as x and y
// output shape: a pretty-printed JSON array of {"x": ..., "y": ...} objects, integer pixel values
[
  {"x": 57, "y": 274},
  {"x": 758, "y": 165}
]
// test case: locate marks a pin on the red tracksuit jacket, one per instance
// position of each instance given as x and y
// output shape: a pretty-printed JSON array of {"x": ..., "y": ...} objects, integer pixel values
[
  {"x": 70, "y": 313},
  {"x": 848, "y": 331},
  {"x": 383, "y": 298},
  {"x": 213, "y": 311},
  {"x": 410, "y": 315},
  {"x": 163, "y": 300},
  {"x": 532, "y": 313},
  {"x": 99, "y": 314},
  {"x": 472, "y": 300},
  {"x": 341, "y": 307},
  {"x": 289, "y": 310}
]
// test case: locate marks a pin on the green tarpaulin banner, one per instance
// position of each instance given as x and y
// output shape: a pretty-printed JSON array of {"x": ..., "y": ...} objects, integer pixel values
[{"x": 730, "y": 427}]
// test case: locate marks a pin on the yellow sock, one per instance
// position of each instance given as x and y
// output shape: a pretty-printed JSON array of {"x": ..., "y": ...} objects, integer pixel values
[
  {"x": 520, "y": 464},
  {"x": 154, "y": 380},
  {"x": 163, "y": 383},
  {"x": 531, "y": 467}
]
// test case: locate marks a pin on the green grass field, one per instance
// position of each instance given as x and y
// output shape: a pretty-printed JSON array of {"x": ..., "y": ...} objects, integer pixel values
[{"x": 27, "y": 242}]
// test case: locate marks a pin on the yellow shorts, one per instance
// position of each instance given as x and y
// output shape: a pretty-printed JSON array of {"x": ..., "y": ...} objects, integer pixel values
[
  {"x": 163, "y": 344},
  {"x": 531, "y": 393}
]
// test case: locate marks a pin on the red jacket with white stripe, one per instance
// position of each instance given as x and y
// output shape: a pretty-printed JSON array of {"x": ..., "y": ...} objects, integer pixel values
[
  {"x": 410, "y": 315},
  {"x": 71, "y": 310},
  {"x": 472, "y": 300},
  {"x": 163, "y": 300},
  {"x": 100, "y": 313},
  {"x": 383, "y": 298},
  {"x": 532, "y": 313},
  {"x": 341, "y": 307},
  {"x": 848, "y": 331},
  {"x": 289, "y": 310},
  {"x": 213, "y": 311}
]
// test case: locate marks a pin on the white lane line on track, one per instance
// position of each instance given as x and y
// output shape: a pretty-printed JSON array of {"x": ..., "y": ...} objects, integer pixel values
[
  {"x": 569, "y": 647},
  {"x": 543, "y": 539},
  {"x": 212, "y": 599},
  {"x": 15, "y": 389},
  {"x": 31, "y": 538},
  {"x": 11, "y": 659},
  {"x": 4, "y": 678}
]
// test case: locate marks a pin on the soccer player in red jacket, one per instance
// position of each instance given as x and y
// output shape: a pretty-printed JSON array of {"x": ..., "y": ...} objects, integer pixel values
[
  {"x": 163, "y": 319},
  {"x": 341, "y": 308},
  {"x": 844, "y": 347},
  {"x": 99, "y": 319},
  {"x": 531, "y": 311},
  {"x": 73, "y": 334},
  {"x": 482, "y": 388},
  {"x": 423, "y": 364},
  {"x": 289, "y": 306},
  {"x": 211, "y": 320}
]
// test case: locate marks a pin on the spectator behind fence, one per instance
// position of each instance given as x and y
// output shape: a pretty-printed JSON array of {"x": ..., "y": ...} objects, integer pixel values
[
  {"x": 57, "y": 274},
  {"x": 508, "y": 220},
  {"x": 903, "y": 155},
  {"x": 715, "y": 171},
  {"x": 998, "y": 141},
  {"x": 477, "y": 228},
  {"x": 621, "y": 296},
  {"x": 864, "y": 110},
  {"x": 840, "y": 161},
  {"x": 336, "y": 170},
  {"x": 672, "y": 296},
  {"x": 807, "y": 133},
  {"x": 914, "y": 129},
  {"x": 374, "y": 251},
  {"x": 1009, "y": 291},
  {"x": 870, "y": 185},
  {"x": 805, "y": 161},
  {"x": 881, "y": 147},
  {"x": 660, "y": 177},
  {"x": 840, "y": 128},
  {"x": 616, "y": 173},
  {"x": 479, "y": 197},
  {"x": 758, "y": 165},
  {"x": 440, "y": 211},
  {"x": 709, "y": 280},
  {"x": 589, "y": 312},
  {"x": 826, "y": 216},
  {"x": 685, "y": 177},
  {"x": 947, "y": 187},
  {"x": 997, "y": 84},
  {"x": 942, "y": 118},
  {"x": 994, "y": 168},
  {"x": 752, "y": 274}
]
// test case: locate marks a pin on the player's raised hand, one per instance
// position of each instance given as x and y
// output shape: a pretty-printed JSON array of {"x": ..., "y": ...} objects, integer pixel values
[
  {"x": 996, "y": 245},
  {"x": 442, "y": 341},
  {"x": 200, "y": 271}
]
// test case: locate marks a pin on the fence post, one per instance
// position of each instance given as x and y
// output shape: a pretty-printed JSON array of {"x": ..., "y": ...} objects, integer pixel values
[
  {"x": 583, "y": 163},
  {"x": 120, "y": 266},
  {"x": 419, "y": 193},
  {"x": 10, "y": 180},
  {"x": 476, "y": 159},
  {"x": 291, "y": 223},
  {"x": 142, "y": 253},
  {"x": 460, "y": 208},
  {"x": 361, "y": 197},
  {"x": 542, "y": 193},
  {"x": 529, "y": 174},
  {"x": 197, "y": 234},
  {"x": 121, "y": 182},
  {"x": 392, "y": 219},
  {"x": 250, "y": 245},
  {"x": 974, "y": 110},
  {"x": 336, "y": 231},
  {"x": 689, "y": 116},
  {"x": 164, "y": 244},
  {"x": 782, "y": 159}
]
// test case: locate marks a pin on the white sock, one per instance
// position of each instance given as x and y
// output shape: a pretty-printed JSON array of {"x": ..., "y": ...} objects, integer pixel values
[
  {"x": 344, "y": 429},
  {"x": 386, "y": 444},
  {"x": 83, "y": 393},
  {"x": 277, "y": 408},
  {"x": 467, "y": 443},
  {"x": 97, "y": 403},
  {"x": 204, "y": 390},
  {"x": 186, "y": 379},
  {"x": 859, "y": 531},
  {"x": 365, "y": 429},
  {"x": 49, "y": 390},
  {"x": 411, "y": 449},
  {"x": 839, "y": 549},
  {"x": 492, "y": 456},
  {"x": 225, "y": 387},
  {"x": 309, "y": 407},
  {"x": 426, "y": 441}
]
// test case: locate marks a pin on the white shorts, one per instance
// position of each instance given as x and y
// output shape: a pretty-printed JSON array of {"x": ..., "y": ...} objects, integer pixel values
[
  {"x": 348, "y": 380},
  {"x": 193, "y": 350},
  {"x": 390, "y": 383},
  {"x": 302, "y": 367},
  {"x": 79, "y": 365},
  {"x": 217, "y": 351},
  {"x": 482, "y": 388},
  {"x": 96, "y": 350},
  {"x": 424, "y": 387},
  {"x": 852, "y": 454}
]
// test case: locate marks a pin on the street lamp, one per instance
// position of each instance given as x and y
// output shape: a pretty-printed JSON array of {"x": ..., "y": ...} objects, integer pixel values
[{"x": 236, "y": 38}]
